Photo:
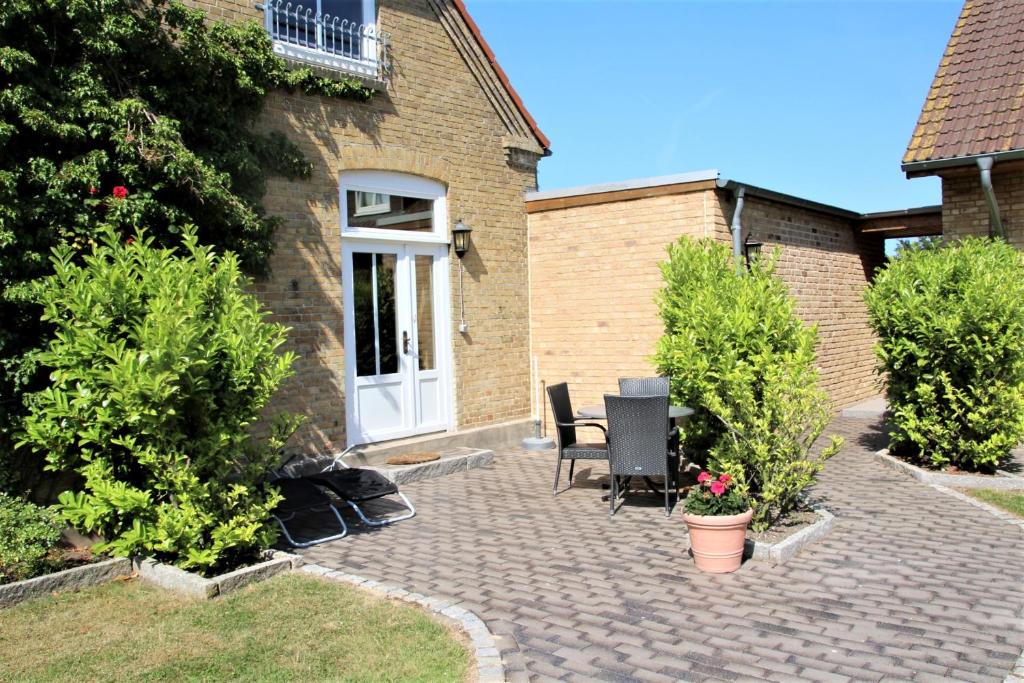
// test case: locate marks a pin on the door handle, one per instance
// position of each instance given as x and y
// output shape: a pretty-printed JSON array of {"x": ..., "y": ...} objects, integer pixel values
[{"x": 405, "y": 342}]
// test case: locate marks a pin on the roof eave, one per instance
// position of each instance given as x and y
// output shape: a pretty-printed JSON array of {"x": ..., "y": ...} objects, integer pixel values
[{"x": 917, "y": 169}]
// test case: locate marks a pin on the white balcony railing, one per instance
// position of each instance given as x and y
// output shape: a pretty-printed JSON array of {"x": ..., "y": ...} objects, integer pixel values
[{"x": 302, "y": 34}]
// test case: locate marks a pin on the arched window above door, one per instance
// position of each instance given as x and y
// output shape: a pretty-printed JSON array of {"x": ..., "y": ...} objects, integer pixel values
[{"x": 384, "y": 205}]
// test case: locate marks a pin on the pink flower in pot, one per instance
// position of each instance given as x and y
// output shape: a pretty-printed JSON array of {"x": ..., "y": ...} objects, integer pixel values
[{"x": 717, "y": 514}]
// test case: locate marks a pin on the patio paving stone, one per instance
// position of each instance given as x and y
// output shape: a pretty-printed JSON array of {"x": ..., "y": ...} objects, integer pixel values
[{"x": 911, "y": 584}]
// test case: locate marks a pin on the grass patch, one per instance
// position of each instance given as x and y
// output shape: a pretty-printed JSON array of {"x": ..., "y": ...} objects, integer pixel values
[
  {"x": 289, "y": 628},
  {"x": 1011, "y": 501}
]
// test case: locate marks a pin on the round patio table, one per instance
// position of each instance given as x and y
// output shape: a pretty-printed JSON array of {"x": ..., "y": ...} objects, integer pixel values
[{"x": 597, "y": 412}]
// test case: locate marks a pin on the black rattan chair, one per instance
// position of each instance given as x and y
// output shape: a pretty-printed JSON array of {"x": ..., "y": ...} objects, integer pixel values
[
  {"x": 644, "y": 386},
  {"x": 565, "y": 425},
  {"x": 637, "y": 445},
  {"x": 650, "y": 386}
]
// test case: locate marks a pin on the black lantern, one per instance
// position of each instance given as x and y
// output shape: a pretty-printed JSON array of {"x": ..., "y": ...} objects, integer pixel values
[
  {"x": 460, "y": 238},
  {"x": 751, "y": 248}
]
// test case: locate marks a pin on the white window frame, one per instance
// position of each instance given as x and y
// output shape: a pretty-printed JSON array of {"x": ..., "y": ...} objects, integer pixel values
[
  {"x": 400, "y": 184},
  {"x": 367, "y": 65},
  {"x": 381, "y": 203}
]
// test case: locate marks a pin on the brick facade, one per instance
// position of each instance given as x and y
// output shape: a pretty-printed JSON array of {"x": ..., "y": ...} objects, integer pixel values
[
  {"x": 827, "y": 265},
  {"x": 594, "y": 275},
  {"x": 443, "y": 117},
  {"x": 965, "y": 211}
]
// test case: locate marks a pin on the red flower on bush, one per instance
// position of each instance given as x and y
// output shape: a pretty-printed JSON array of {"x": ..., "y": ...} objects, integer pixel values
[
  {"x": 130, "y": 240},
  {"x": 724, "y": 478},
  {"x": 120, "y": 192},
  {"x": 717, "y": 488},
  {"x": 93, "y": 189},
  {"x": 703, "y": 477}
]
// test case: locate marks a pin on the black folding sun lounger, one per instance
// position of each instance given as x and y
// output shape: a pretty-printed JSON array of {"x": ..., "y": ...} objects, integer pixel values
[
  {"x": 356, "y": 485},
  {"x": 301, "y": 495}
]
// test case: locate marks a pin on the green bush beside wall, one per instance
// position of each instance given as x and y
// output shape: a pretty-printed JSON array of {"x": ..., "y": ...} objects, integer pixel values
[
  {"x": 736, "y": 351},
  {"x": 950, "y": 324},
  {"x": 159, "y": 364}
]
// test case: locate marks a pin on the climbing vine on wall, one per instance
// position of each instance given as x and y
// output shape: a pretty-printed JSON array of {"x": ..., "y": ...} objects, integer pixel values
[{"x": 131, "y": 113}]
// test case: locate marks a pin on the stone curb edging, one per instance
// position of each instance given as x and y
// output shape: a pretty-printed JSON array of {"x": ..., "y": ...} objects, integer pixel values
[
  {"x": 67, "y": 580},
  {"x": 1003, "y": 482},
  {"x": 782, "y": 551},
  {"x": 991, "y": 509},
  {"x": 490, "y": 668},
  {"x": 191, "y": 585}
]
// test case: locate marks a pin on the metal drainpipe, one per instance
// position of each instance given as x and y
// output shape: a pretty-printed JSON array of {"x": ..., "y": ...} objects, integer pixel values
[
  {"x": 737, "y": 232},
  {"x": 995, "y": 220}
]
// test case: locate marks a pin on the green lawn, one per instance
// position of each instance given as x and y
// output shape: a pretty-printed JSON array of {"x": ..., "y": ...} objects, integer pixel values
[
  {"x": 1011, "y": 501},
  {"x": 291, "y": 628}
]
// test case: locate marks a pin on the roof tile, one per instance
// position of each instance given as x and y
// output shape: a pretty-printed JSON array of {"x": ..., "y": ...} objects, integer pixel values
[{"x": 976, "y": 99}]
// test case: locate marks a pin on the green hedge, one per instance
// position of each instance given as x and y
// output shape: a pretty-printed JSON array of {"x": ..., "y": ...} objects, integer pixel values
[
  {"x": 950, "y": 324},
  {"x": 736, "y": 351},
  {"x": 28, "y": 535},
  {"x": 159, "y": 365}
]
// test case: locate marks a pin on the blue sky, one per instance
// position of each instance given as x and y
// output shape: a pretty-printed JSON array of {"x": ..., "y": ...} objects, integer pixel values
[{"x": 816, "y": 99}]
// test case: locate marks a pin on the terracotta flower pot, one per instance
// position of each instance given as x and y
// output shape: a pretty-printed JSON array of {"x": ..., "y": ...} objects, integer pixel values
[{"x": 717, "y": 541}]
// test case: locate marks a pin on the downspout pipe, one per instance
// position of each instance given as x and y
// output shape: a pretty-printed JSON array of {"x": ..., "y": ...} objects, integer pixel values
[
  {"x": 737, "y": 231},
  {"x": 995, "y": 227}
]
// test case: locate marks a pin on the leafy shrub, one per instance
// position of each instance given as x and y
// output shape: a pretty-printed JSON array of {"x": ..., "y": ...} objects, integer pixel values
[
  {"x": 950, "y": 325},
  {"x": 160, "y": 363},
  {"x": 716, "y": 496},
  {"x": 148, "y": 94},
  {"x": 736, "y": 352},
  {"x": 28, "y": 534}
]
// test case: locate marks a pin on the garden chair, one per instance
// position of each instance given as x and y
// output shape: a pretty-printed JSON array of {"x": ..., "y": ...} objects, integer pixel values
[
  {"x": 566, "y": 424},
  {"x": 637, "y": 444},
  {"x": 353, "y": 485},
  {"x": 649, "y": 386},
  {"x": 644, "y": 386},
  {"x": 303, "y": 496}
]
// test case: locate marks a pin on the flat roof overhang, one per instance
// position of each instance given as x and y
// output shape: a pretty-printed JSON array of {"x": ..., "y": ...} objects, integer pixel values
[{"x": 923, "y": 221}]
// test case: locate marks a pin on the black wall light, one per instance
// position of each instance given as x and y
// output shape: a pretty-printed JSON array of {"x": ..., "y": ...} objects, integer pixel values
[
  {"x": 751, "y": 249},
  {"x": 460, "y": 238}
]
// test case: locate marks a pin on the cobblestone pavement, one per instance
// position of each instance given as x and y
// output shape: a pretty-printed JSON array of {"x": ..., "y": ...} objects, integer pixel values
[{"x": 911, "y": 583}]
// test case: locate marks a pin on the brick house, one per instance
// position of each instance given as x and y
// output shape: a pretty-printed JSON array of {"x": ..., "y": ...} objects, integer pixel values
[
  {"x": 971, "y": 128},
  {"x": 595, "y": 250},
  {"x": 362, "y": 270}
]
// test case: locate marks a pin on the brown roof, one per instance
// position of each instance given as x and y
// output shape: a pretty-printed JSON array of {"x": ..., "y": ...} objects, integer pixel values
[
  {"x": 976, "y": 102},
  {"x": 475, "y": 30}
]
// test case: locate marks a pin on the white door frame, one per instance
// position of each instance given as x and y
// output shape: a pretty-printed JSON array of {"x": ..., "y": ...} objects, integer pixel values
[{"x": 407, "y": 245}]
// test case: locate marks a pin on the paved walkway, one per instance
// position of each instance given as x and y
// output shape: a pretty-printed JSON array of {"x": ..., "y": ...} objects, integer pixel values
[{"x": 911, "y": 583}]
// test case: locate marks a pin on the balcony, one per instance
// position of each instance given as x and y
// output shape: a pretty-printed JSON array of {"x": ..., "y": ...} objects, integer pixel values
[{"x": 305, "y": 35}]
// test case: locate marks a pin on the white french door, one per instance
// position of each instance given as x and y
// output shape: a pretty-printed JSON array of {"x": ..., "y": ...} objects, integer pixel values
[{"x": 396, "y": 339}]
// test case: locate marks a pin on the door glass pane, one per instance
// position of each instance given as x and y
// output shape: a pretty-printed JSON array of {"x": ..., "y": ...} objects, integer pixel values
[
  {"x": 389, "y": 212},
  {"x": 425, "y": 311},
  {"x": 387, "y": 327},
  {"x": 366, "y": 333},
  {"x": 341, "y": 19}
]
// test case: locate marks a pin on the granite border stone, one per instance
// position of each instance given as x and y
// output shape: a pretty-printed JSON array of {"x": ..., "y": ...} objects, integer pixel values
[
  {"x": 783, "y": 550},
  {"x": 66, "y": 580},
  {"x": 192, "y": 585},
  {"x": 1002, "y": 481},
  {"x": 472, "y": 458},
  {"x": 490, "y": 668}
]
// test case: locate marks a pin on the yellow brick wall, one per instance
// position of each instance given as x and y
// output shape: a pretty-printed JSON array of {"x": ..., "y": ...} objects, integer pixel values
[
  {"x": 433, "y": 120},
  {"x": 827, "y": 267},
  {"x": 965, "y": 211},
  {"x": 594, "y": 272}
]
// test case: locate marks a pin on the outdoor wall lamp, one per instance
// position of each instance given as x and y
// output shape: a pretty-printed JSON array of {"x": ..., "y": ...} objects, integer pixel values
[
  {"x": 751, "y": 249},
  {"x": 460, "y": 242},
  {"x": 460, "y": 238}
]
